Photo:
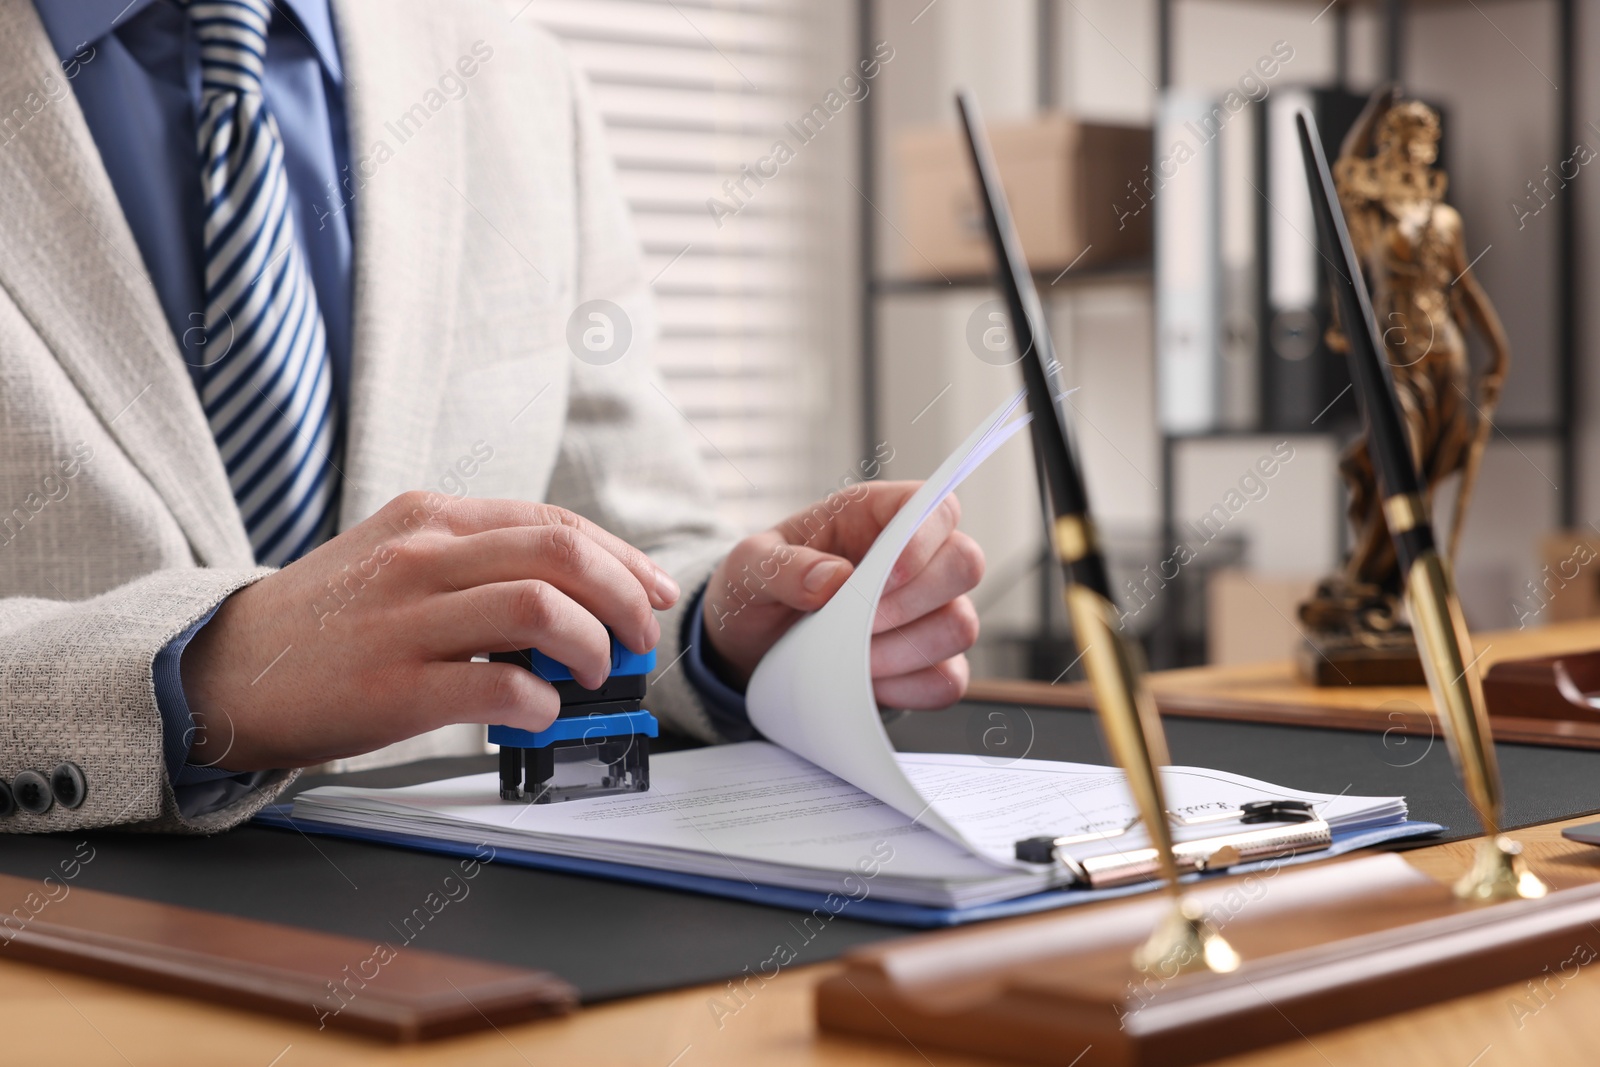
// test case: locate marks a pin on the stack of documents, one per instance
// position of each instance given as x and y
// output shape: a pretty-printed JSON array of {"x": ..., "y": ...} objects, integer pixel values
[{"x": 756, "y": 813}]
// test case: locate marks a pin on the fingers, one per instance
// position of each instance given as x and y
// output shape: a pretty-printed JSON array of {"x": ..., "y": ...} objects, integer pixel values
[
  {"x": 956, "y": 568},
  {"x": 527, "y": 614},
  {"x": 846, "y": 525},
  {"x": 847, "y": 522},
  {"x": 566, "y": 558},
  {"x": 496, "y": 694},
  {"x": 416, "y": 510},
  {"x": 939, "y": 564},
  {"x": 765, "y": 569},
  {"x": 925, "y": 543},
  {"x": 929, "y": 640},
  {"x": 933, "y": 687}
]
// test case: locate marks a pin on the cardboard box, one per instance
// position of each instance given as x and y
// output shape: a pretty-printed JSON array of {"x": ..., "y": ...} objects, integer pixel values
[
  {"x": 1067, "y": 181},
  {"x": 1568, "y": 584}
]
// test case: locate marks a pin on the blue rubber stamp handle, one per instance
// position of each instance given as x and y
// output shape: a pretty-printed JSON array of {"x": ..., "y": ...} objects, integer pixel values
[
  {"x": 588, "y": 728},
  {"x": 622, "y": 662}
]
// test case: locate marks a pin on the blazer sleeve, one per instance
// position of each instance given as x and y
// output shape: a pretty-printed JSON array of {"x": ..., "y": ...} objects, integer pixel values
[
  {"x": 96, "y": 657},
  {"x": 628, "y": 458}
]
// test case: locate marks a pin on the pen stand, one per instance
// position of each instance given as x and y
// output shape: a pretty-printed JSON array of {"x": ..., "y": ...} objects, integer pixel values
[
  {"x": 1322, "y": 947},
  {"x": 1317, "y": 949},
  {"x": 1183, "y": 940},
  {"x": 1498, "y": 872}
]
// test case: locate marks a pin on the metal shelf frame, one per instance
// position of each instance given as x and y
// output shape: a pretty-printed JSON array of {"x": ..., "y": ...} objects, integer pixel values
[{"x": 1166, "y": 648}]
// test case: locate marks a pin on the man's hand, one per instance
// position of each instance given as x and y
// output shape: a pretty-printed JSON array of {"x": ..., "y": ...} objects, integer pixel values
[
  {"x": 368, "y": 640},
  {"x": 924, "y": 623}
]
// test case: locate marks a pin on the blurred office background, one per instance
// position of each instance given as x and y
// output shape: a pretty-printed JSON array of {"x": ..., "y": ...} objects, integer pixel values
[{"x": 820, "y": 308}]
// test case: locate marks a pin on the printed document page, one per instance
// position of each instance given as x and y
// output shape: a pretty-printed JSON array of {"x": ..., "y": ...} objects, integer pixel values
[
  {"x": 812, "y": 692},
  {"x": 995, "y": 802},
  {"x": 756, "y": 812}
]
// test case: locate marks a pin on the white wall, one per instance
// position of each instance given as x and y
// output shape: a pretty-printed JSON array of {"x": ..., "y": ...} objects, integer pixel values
[
  {"x": 924, "y": 359},
  {"x": 1290, "y": 526},
  {"x": 1492, "y": 68},
  {"x": 1109, "y": 68},
  {"x": 1215, "y": 41},
  {"x": 831, "y": 380},
  {"x": 1588, "y": 241}
]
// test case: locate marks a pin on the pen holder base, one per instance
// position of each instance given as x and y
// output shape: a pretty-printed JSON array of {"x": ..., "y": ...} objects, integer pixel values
[
  {"x": 1499, "y": 872},
  {"x": 1322, "y": 947},
  {"x": 1183, "y": 942}
]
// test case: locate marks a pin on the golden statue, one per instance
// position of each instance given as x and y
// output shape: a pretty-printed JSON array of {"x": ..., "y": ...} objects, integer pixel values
[{"x": 1424, "y": 297}]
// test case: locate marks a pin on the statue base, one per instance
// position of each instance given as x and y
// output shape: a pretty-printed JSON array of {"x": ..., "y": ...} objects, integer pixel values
[
  {"x": 1354, "y": 635},
  {"x": 1340, "y": 659}
]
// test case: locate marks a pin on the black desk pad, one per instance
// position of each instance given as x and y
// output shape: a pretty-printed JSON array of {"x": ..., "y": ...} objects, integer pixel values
[{"x": 613, "y": 940}]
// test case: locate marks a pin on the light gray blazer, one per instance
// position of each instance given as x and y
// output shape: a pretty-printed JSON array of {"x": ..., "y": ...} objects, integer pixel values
[{"x": 475, "y": 238}]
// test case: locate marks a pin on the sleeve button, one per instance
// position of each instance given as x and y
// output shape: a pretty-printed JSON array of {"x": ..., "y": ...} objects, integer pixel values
[
  {"x": 67, "y": 784},
  {"x": 32, "y": 792}
]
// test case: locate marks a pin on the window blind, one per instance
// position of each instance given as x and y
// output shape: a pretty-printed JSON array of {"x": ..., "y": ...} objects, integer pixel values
[{"x": 691, "y": 93}]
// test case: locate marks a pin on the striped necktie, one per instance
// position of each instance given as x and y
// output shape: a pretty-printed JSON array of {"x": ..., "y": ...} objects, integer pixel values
[{"x": 269, "y": 395}]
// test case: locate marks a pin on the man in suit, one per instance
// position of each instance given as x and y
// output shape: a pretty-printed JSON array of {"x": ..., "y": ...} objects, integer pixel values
[{"x": 290, "y": 428}]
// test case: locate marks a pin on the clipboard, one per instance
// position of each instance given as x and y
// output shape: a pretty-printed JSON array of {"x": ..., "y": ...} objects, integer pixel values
[{"x": 867, "y": 909}]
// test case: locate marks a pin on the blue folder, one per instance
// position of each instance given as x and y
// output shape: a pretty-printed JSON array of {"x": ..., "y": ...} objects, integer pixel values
[{"x": 866, "y": 909}]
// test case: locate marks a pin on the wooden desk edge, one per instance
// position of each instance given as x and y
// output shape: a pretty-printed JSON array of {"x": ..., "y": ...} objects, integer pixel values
[{"x": 770, "y": 1022}]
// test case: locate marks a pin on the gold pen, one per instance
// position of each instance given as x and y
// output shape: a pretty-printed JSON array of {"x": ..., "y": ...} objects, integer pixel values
[
  {"x": 1127, "y": 712},
  {"x": 1499, "y": 872}
]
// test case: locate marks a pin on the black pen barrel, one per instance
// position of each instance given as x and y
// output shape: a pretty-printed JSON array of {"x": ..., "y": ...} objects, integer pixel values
[
  {"x": 1387, "y": 440},
  {"x": 1051, "y": 426}
]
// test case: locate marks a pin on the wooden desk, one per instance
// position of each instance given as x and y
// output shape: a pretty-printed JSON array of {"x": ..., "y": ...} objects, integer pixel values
[
  {"x": 1272, "y": 692},
  {"x": 51, "y": 1017}
]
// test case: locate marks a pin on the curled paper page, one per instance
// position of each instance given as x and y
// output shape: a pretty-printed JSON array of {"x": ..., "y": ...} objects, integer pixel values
[{"x": 812, "y": 693}]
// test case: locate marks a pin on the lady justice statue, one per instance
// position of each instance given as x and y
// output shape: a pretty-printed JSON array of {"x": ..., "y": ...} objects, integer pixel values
[{"x": 1425, "y": 297}]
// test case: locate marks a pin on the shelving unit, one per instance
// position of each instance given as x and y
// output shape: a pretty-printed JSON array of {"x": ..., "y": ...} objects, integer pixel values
[
  {"x": 1166, "y": 646},
  {"x": 1044, "y": 280}
]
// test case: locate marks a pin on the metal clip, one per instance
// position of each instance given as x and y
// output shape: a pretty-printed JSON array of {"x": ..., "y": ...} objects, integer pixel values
[
  {"x": 1211, "y": 854},
  {"x": 1254, "y": 811}
]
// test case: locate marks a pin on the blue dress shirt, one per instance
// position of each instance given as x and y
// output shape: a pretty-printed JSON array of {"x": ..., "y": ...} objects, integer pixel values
[
  {"x": 139, "y": 94},
  {"x": 139, "y": 90}
]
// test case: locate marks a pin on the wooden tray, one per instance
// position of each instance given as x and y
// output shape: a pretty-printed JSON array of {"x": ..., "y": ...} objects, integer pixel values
[
  {"x": 324, "y": 980},
  {"x": 1324, "y": 947}
]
